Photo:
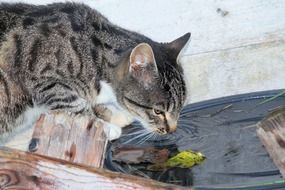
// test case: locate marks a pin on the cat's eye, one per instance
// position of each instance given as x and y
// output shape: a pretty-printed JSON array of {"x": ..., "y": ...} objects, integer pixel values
[{"x": 157, "y": 112}]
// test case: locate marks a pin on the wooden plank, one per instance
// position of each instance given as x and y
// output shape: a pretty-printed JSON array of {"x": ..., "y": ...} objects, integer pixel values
[
  {"x": 271, "y": 132},
  {"x": 79, "y": 139},
  {"x": 23, "y": 170}
]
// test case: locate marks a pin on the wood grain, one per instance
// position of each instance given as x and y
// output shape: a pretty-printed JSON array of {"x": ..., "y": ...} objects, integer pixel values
[
  {"x": 271, "y": 132},
  {"x": 78, "y": 139},
  {"x": 23, "y": 170}
]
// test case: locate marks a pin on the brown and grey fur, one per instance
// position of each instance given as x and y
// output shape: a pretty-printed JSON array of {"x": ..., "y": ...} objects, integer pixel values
[{"x": 57, "y": 56}]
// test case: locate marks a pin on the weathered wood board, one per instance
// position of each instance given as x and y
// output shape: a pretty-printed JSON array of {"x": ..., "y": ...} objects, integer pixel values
[
  {"x": 75, "y": 138},
  {"x": 271, "y": 131},
  {"x": 22, "y": 170}
]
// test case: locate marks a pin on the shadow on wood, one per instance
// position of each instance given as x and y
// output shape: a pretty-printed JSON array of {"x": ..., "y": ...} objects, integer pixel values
[{"x": 23, "y": 170}]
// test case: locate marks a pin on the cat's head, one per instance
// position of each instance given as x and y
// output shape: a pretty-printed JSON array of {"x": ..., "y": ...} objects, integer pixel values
[{"x": 153, "y": 88}]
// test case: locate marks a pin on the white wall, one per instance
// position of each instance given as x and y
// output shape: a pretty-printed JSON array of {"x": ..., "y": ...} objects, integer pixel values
[{"x": 236, "y": 50}]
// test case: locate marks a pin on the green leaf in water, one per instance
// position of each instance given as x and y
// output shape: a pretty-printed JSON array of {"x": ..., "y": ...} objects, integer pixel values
[
  {"x": 272, "y": 98},
  {"x": 184, "y": 159}
]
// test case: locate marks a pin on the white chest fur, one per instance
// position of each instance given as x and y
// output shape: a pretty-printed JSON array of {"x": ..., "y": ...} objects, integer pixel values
[{"x": 107, "y": 97}]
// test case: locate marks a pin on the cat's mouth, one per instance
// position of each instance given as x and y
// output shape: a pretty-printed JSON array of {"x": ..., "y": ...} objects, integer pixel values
[{"x": 161, "y": 131}]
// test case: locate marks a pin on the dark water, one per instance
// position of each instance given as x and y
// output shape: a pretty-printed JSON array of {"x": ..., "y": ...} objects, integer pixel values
[{"x": 223, "y": 130}]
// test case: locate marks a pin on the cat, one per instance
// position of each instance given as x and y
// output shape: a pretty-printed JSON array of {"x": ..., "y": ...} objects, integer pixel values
[{"x": 68, "y": 57}]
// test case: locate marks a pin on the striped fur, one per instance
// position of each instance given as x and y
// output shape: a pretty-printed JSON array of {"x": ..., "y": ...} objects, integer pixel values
[{"x": 57, "y": 56}]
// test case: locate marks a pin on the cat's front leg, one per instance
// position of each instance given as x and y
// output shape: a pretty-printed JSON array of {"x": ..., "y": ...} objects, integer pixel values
[
  {"x": 101, "y": 111},
  {"x": 111, "y": 130},
  {"x": 115, "y": 118},
  {"x": 113, "y": 114}
]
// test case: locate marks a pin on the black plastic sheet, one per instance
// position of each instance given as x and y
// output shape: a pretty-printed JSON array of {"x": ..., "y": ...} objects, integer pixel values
[{"x": 224, "y": 130}]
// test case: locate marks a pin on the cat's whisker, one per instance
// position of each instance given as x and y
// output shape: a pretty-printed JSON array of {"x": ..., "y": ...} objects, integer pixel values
[
  {"x": 148, "y": 136},
  {"x": 184, "y": 121},
  {"x": 133, "y": 133},
  {"x": 136, "y": 124},
  {"x": 141, "y": 130},
  {"x": 184, "y": 124},
  {"x": 140, "y": 141},
  {"x": 132, "y": 139},
  {"x": 137, "y": 127},
  {"x": 183, "y": 118},
  {"x": 153, "y": 134},
  {"x": 143, "y": 140},
  {"x": 184, "y": 113},
  {"x": 136, "y": 132},
  {"x": 156, "y": 136}
]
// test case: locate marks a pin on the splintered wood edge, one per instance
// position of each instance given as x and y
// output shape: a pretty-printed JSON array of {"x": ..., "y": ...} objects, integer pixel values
[
  {"x": 20, "y": 169},
  {"x": 271, "y": 132},
  {"x": 267, "y": 123}
]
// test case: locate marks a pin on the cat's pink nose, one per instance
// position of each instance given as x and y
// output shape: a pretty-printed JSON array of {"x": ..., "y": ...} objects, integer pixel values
[
  {"x": 172, "y": 128},
  {"x": 172, "y": 122}
]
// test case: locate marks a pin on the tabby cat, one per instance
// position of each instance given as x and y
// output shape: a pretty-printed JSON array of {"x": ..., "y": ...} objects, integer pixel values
[{"x": 68, "y": 57}]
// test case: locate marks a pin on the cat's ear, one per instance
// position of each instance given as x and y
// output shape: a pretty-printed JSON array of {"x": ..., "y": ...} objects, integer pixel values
[
  {"x": 177, "y": 45},
  {"x": 142, "y": 64}
]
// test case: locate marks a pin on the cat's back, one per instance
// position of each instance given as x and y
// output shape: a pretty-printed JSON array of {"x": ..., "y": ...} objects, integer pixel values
[
  {"x": 36, "y": 32},
  {"x": 40, "y": 12},
  {"x": 78, "y": 31},
  {"x": 23, "y": 17}
]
